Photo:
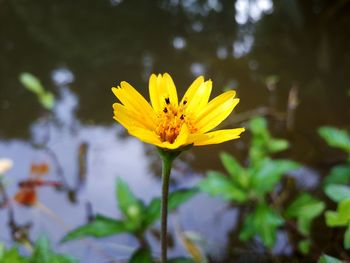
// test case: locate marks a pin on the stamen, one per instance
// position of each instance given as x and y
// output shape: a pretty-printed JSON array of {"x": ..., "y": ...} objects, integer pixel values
[{"x": 170, "y": 121}]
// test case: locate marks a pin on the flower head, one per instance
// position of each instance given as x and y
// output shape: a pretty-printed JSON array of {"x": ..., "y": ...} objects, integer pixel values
[{"x": 170, "y": 124}]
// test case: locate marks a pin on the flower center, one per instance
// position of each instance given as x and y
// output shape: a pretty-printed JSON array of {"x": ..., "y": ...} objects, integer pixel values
[{"x": 170, "y": 121}]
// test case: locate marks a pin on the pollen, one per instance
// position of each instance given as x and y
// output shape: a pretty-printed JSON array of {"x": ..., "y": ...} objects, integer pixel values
[{"x": 170, "y": 122}]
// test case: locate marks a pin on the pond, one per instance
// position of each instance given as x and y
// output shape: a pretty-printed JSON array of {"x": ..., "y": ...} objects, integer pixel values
[{"x": 287, "y": 60}]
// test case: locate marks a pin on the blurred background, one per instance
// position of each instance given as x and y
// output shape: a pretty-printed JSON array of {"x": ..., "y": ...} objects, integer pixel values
[{"x": 288, "y": 60}]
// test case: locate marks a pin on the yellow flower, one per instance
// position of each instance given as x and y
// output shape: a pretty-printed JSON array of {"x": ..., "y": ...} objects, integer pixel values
[{"x": 171, "y": 124}]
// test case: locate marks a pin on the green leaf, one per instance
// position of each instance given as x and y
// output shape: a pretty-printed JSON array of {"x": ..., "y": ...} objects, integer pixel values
[
  {"x": 181, "y": 260},
  {"x": 238, "y": 174},
  {"x": 341, "y": 217},
  {"x": 152, "y": 212},
  {"x": 232, "y": 166},
  {"x": 60, "y": 258},
  {"x": 131, "y": 207},
  {"x": 277, "y": 145},
  {"x": 175, "y": 200},
  {"x": 328, "y": 259},
  {"x": 249, "y": 229},
  {"x": 2, "y": 250},
  {"x": 100, "y": 227},
  {"x": 347, "y": 238},
  {"x": 304, "y": 246},
  {"x": 339, "y": 174},
  {"x": 263, "y": 222},
  {"x": 11, "y": 256},
  {"x": 142, "y": 255},
  {"x": 263, "y": 143},
  {"x": 44, "y": 254},
  {"x": 267, "y": 222},
  {"x": 258, "y": 125},
  {"x": 305, "y": 208},
  {"x": 337, "y": 192},
  {"x": 335, "y": 137},
  {"x": 47, "y": 100},
  {"x": 217, "y": 184},
  {"x": 269, "y": 173},
  {"x": 31, "y": 83},
  {"x": 179, "y": 197}
]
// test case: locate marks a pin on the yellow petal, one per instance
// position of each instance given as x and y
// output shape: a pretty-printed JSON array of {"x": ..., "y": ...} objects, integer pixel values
[
  {"x": 152, "y": 138},
  {"x": 216, "y": 116},
  {"x": 130, "y": 119},
  {"x": 216, "y": 137},
  {"x": 146, "y": 136},
  {"x": 171, "y": 89},
  {"x": 214, "y": 104},
  {"x": 131, "y": 98},
  {"x": 197, "y": 98},
  {"x": 191, "y": 91},
  {"x": 162, "y": 91},
  {"x": 134, "y": 101},
  {"x": 153, "y": 87}
]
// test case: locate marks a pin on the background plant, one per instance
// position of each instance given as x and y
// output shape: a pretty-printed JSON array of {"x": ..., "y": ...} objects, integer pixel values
[
  {"x": 255, "y": 188},
  {"x": 42, "y": 253},
  {"x": 336, "y": 184}
]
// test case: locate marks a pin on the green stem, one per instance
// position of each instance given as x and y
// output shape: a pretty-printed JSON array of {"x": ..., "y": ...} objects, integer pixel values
[
  {"x": 165, "y": 192},
  {"x": 167, "y": 158}
]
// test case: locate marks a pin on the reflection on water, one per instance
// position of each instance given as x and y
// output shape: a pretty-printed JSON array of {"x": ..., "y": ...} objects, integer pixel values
[
  {"x": 79, "y": 50},
  {"x": 197, "y": 69},
  {"x": 62, "y": 76},
  {"x": 252, "y": 10},
  {"x": 243, "y": 47}
]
